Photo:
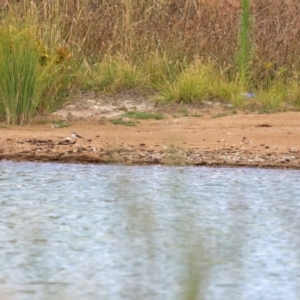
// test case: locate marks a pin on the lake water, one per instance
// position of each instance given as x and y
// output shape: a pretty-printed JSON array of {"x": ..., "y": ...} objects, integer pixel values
[{"x": 119, "y": 232}]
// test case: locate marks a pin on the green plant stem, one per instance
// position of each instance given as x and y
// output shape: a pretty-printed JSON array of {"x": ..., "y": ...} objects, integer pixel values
[{"x": 244, "y": 44}]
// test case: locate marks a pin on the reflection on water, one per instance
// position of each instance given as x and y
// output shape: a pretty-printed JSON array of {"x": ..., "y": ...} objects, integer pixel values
[{"x": 117, "y": 232}]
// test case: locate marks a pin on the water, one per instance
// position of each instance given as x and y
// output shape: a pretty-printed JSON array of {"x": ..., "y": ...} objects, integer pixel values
[{"x": 118, "y": 232}]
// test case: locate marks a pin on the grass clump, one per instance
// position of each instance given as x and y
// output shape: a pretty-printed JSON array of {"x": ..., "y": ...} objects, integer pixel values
[
  {"x": 60, "y": 124},
  {"x": 278, "y": 96},
  {"x": 114, "y": 74},
  {"x": 193, "y": 84},
  {"x": 184, "y": 112},
  {"x": 135, "y": 114},
  {"x": 27, "y": 76},
  {"x": 224, "y": 114},
  {"x": 161, "y": 68},
  {"x": 200, "y": 81},
  {"x": 19, "y": 75},
  {"x": 121, "y": 121}
]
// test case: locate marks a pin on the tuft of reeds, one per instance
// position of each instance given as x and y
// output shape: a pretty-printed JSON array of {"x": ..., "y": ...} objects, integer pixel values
[
  {"x": 30, "y": 71},
  {"x": 18, "y": 75},
  {"x": 194, "y": 83},
  {"x": 113, "y": 73}
]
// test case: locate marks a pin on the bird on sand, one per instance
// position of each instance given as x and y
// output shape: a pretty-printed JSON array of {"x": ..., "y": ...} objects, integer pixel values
[{"x": 74, "y": 135}]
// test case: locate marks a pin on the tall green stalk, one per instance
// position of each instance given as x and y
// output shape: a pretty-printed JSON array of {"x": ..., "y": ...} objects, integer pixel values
[
  {"x": 25, "y": 78},
  {"x": 244, "y": 51},
  {"x": 18, "y": 75}
]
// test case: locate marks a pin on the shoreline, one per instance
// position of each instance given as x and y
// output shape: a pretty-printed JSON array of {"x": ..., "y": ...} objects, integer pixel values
[
  {"x": 241, "y": 140},
  {"x": 86, "y": 159}
]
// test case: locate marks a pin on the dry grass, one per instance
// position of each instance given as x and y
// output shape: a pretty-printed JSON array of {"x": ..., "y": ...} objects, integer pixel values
[
  {"x": 183, "y": 28},
  {"x": 277, "y": 31}
]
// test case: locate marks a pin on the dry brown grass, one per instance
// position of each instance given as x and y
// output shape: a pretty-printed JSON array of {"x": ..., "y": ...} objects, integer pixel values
[
  {"x": 277, "y": 34},
  {"x": 180, "y": 28}
]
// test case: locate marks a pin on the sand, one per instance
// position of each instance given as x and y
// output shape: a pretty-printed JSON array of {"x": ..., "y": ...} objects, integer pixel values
[{"x": 247, "y": 140}]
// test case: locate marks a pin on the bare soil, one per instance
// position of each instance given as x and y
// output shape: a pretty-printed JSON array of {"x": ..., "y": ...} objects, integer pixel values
[{"x": 210, "y": 134}]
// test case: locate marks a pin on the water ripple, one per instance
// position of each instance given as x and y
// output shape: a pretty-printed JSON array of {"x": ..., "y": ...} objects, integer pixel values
[{"x": 118, "y": 232}]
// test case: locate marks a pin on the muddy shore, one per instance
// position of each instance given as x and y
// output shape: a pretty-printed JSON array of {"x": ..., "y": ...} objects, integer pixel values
[{"x": 247, "y": 140}]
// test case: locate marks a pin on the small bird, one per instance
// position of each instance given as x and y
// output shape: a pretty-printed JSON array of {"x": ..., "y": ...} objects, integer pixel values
[{"x": 74, "y": 135}]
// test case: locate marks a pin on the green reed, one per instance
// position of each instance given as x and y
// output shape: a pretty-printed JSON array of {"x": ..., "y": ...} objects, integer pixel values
[
  {"x": 18, "y": 75},
  {"x": 28, "y": 75},
  {"x": 244, "y": 44}
]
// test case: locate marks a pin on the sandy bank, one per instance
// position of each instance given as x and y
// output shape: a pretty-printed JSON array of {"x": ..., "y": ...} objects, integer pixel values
[{"x": 269, "y": 140}]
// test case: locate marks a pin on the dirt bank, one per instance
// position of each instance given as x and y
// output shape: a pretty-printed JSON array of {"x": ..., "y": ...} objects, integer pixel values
[{"x": 256, "y": 140}]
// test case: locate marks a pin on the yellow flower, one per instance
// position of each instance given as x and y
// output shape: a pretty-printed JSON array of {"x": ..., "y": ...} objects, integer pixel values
[{"x": 268, "y": 65}]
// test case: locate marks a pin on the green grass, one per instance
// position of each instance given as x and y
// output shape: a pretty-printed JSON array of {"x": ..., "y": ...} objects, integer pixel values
[
  {"x": 121, "y": 121},
  {"x": 135, "y": 114},
  {"x": 191, "y": 85},
  {"x": 184, "y": 112},
  {"x": 25, "y": 79},
  {"x": 224, "y": 114},
  {"x": 113, "y": 74},
  {"x": 19, "y": 75},
  {"x": 60, "y": 124},
  {"x": 263, "y": 111},
  {"x": 161, "y": 68},
  {"x": 200, "y": 81}
]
